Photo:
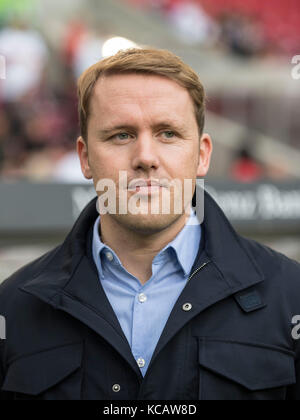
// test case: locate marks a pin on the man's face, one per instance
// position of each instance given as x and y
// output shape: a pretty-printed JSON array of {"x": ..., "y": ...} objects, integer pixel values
[{"x": 144, "y": 125}]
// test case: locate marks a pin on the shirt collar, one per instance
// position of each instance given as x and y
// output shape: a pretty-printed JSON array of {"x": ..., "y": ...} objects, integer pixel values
[
  {"x": 185, "y": 245},
  {"x": 98, "y": 246}
]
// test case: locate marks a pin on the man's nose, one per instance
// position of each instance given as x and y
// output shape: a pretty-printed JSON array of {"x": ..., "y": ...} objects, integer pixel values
[{"x": 145, "y": 153}]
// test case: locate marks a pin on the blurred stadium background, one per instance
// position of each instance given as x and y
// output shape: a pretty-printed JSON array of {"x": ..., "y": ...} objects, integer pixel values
[{"x": 246, "y": 55}]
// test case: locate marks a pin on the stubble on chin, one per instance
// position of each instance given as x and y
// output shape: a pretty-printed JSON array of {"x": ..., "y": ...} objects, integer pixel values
[{"x": 146, "y": 224}]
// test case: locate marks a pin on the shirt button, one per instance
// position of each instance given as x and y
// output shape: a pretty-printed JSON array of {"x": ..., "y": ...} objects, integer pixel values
[
  {"x": 140, "y": 362},
  {"x": 187, "y": 307},
  {"x": 116, "y": 387},
  {"x": 142, "y": 297},
  {"x": 109, "y": 256}
]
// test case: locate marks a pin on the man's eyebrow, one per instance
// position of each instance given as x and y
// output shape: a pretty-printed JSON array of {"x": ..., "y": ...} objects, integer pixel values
[
  {"x": 160, "y": 125},
  {"x": 168, "y": 124},
  {"x": 105, "y": 131}
]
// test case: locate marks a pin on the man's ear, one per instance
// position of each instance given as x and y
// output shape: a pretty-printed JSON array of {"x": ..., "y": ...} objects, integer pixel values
[
  {"x": 205, "y": 152},
  {"x": 82, "y": 151}
]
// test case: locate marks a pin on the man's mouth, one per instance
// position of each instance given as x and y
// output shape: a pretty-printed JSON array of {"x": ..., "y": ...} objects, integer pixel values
[
  {"x": 146, "y": 186},
  {"x": 148, "y": 189}
]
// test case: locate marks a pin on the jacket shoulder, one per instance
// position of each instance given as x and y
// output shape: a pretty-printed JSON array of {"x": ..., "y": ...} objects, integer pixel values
[
  {"x": 275, "y": 266},
  {"x": 266, "y": 253}
]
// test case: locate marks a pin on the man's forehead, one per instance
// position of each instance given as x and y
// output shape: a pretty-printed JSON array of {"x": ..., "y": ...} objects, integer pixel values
[
  {"x": 120, "y": 97},
  {"x": 133, "y": 99},
  {"x": 137, "y": 85}
]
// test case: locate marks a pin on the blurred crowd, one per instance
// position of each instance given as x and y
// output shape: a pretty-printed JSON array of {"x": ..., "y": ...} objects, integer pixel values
[
  {"x": 38, "y": 110},
  {"x": 38, "y": 105},
  {"x": 243, "y": 28}
]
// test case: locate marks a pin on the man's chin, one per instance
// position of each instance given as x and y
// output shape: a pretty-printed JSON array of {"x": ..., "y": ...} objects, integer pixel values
[{"x": 147, "y": 224}]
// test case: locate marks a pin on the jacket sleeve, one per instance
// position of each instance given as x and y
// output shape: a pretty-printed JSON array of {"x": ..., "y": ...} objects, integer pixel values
[
  {"x": 293, "y": 392},
  {"x": 2, "y": 397}
]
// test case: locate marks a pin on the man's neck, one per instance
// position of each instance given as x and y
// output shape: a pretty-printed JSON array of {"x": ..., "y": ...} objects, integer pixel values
[{"x": 135, "y": 250}]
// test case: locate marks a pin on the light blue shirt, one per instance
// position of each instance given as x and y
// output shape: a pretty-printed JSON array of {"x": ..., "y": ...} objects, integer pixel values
[{"x": 143, "y": 310}]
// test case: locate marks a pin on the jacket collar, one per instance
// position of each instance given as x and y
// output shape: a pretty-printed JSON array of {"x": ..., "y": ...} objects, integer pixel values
[
  {"x": 225, "y": 249},
  {"x": 70, "y": 281}
]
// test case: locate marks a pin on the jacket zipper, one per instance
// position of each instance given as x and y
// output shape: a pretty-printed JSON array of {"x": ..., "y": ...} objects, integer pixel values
[{"x": 198, "y": 269}]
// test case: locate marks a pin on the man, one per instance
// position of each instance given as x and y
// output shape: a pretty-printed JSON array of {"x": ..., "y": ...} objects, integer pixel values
[{"x": 142, "y": 303}]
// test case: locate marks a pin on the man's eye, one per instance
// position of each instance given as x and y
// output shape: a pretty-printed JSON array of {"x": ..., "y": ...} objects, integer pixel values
[
  {"x": 169, "y": 134},
  {"x": 121, "y": 136}
]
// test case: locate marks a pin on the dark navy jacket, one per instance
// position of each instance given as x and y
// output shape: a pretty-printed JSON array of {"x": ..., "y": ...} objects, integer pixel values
[{"x": 233, "y": 341}]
